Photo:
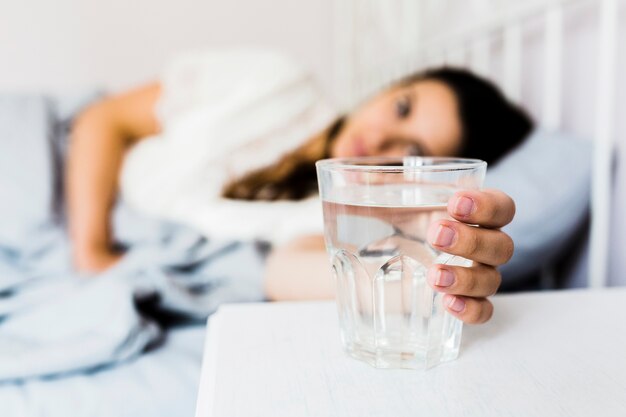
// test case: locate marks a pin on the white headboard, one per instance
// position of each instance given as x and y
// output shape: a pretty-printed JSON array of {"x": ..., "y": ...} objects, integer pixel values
[{"x": 493, "y": 44}]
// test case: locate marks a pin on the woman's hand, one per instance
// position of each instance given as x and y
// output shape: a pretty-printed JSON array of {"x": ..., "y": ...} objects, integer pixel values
[
  {"x": 467, "y": 288},
  {"x": 93, "y": 261}
]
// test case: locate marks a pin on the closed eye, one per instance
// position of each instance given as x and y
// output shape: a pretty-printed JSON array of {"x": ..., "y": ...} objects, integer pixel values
[
  {"x": 403, "y": 106},
  {"x": 402, "y": 147},
  {"x": 414, "y": 150}
]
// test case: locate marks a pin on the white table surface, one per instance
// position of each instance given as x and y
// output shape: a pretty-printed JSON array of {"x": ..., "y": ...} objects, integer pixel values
[{"x": 542, "y": 354}]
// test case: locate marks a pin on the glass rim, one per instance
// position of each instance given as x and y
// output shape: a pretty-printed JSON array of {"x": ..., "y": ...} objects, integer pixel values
[{"x": 397, "y": 164}]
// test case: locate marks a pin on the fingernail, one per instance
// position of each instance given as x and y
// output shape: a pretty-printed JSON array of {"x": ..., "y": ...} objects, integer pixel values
[
  {"x": 444, "y": 236},
  {"x": 440, "y": 277},
  {"x": 455, "y": 304},
  {"x": 464, "y": 206}
]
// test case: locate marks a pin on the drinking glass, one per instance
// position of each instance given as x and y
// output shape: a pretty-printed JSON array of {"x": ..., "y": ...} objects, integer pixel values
[{"x": 376, "y": 215}]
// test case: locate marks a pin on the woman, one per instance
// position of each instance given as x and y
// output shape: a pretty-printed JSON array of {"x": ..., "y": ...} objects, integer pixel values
[{"x": 440, "y": 112}]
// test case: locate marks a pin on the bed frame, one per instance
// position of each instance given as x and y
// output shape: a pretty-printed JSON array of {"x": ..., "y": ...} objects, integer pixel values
[{"x": 470, "y": 46}]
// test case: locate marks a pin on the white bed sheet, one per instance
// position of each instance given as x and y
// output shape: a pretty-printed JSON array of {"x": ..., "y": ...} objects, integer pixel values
[{"x": 163, "y": 382}]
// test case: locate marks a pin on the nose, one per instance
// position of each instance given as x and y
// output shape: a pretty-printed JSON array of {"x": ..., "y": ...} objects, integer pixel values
[{"x": 374, "y": 140}]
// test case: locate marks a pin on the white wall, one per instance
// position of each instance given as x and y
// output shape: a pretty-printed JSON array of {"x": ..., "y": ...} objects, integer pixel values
[{"x": 65, "y": 45}]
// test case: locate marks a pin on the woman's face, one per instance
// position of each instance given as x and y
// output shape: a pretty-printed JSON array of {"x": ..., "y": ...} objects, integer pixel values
[{"x": 417, "y": 119}]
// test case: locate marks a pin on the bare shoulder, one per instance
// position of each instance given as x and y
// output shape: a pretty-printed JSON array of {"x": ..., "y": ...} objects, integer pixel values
[{"x": 131, "y": 111}]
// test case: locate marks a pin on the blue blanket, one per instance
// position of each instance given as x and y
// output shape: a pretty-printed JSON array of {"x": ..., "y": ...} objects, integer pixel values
[{"x": 54, "y": 321}]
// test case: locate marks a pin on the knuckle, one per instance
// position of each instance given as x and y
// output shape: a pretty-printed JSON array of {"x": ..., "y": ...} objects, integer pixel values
[
  {"x": 496, "y": 282},
  {"x": 495, "y": 211},
  {"x": 480, "y": 312},
  {"x": 468, "y": 278},
  {"x": 506, "y": 210},
  {"x": 487, "y": 312},
  {"x": 508, "y": 248},
  {"x": 513, "y": 208},
  {"x": 473, "y": 314},
  {"x": 472, "y": 243},
  {"x": 501, "y": 207}
]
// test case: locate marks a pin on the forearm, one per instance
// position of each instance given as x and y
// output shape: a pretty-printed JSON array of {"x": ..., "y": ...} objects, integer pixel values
[
  {"x": 100, "y": 137},
  {"x": 299, "y": 271},
  {"x": 95, "y": 155}
]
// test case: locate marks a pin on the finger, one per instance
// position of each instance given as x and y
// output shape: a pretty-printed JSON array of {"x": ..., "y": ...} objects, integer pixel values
[
  {"x": 476, "y": 281},
  {"x": 487, "y": 208},
  {"x": 486, "y": 246},
  {"x": 467, "y": 309}
]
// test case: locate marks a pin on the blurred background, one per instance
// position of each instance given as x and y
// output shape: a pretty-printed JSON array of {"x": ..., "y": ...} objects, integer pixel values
[
  {"x": 562, "y": 60},
  {"x": 72, "y": 44},
  {"x": 352, "y": 47}
]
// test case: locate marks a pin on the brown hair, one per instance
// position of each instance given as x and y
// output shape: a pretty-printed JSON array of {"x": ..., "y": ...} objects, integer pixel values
[
  {"x": 292, "y": 177},
  {"x": 491, "y": 127}
]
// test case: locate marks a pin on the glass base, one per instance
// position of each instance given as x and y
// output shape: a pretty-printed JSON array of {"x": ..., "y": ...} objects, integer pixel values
[
  {"x": 438, "y": 344},
  {"x": 387, "y": 358},
  {"x": 389, "y": 316}
]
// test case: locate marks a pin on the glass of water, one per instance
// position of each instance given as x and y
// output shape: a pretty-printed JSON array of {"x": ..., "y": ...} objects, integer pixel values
[{"x": 376, "y": 215}]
